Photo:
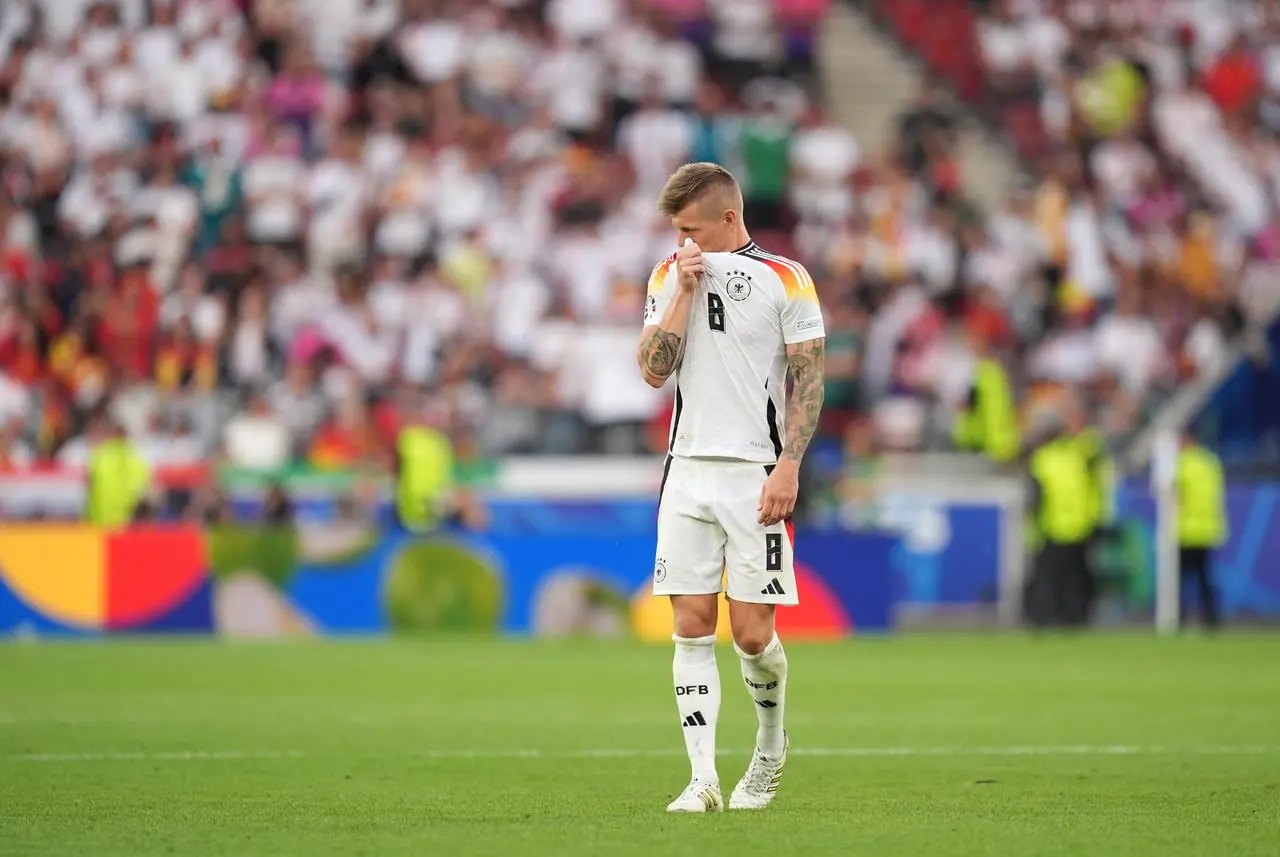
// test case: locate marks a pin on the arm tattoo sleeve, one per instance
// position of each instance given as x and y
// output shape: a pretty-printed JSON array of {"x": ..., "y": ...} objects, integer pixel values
[
  {"x": 662, "y": 353},
  {"x": 805, "y": 403}
]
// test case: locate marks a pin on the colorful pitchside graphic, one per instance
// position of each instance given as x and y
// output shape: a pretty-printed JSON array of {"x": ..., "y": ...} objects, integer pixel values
[
  {"x": 246, "y": 581},
  {"x": 74, "y": 578}
]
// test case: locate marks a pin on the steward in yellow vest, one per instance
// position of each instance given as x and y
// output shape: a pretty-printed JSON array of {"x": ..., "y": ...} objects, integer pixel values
[
  {"x": 424, "y": 478},
  {"x": 1061, "y": 587},
  {"x": 1093, "y": 446},
  {"x": 1202, "y": 520},
  {"x": 990, "y": 423},
  {"x": 118, "y": 480},
  {"x": 1101, "y": 476}
]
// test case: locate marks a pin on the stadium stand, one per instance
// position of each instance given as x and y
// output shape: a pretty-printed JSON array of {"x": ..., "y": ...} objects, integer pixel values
[
  {"x": 257, "y": 229},
  {"x": 1146, "y": 132},
  {"x": 262, "y": 231}
]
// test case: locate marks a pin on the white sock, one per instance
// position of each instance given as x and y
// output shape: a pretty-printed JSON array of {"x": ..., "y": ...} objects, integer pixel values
[
  {"x": 697, "y": 684},
  {"x": 766, "y": 677}
]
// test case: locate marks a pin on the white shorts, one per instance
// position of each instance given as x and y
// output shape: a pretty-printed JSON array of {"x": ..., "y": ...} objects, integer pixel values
[{"x": 708, "y": 529}]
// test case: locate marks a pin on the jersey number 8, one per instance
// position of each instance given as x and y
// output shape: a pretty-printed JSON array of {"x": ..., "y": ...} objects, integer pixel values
[{"x": 715, "y": 312}]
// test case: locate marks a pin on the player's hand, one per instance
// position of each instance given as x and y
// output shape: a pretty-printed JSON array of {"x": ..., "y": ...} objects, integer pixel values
[
  {"x": 778, "y": 496},
  {"x": 690, "y": 265}
]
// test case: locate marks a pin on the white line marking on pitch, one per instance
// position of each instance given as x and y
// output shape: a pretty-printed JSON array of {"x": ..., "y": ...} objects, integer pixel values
[
  {"x": 179, "y": 756},
  {"x": 831, "y": 752},
  {"x": 613, "y": 753}
]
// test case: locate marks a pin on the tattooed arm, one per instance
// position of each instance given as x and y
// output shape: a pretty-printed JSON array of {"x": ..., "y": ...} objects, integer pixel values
[
  {"x": 671, "y": 288},
  {"x": 781, "y": 488},
  {"x": 662, "y": 344},
  {"x": 804, "y": 405}
]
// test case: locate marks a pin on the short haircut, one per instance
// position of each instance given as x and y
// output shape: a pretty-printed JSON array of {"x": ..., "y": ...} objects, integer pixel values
[{"x": 695, "y": 182}]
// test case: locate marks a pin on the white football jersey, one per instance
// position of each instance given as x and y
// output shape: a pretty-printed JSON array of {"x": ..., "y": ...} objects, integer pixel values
[{"x": 731, "y": 383}]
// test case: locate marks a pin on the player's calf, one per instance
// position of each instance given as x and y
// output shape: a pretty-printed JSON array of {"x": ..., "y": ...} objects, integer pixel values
[
  {"x": 765, "y": 675},
  {"x": 697, "y": 688}
]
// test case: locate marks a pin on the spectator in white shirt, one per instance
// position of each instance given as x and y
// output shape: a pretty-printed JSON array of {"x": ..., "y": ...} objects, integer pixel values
[
  {"x": 384, "y": 144},
  {"x": 42, "y": 139},
  {"x": 1121, "y": 166},
  {"x": 1088, "y": 268},
  {"x": 989, "y": 263},
  {"x": 351, "y": 329},
  {"x": 190, "y": 302},
  {"x": 1205, "y": 346},
  {"x": 92, "y": 193},
  {"x": 1046, "y": 41},
  {"x": 388, "y": 298},
  {"x": 1127, "y": 343},
  {"x": 656, "y": 140},
  {"x": 337, "y": 193},
  {"x": 182, "y": 93},
  {"x": 249, "y": 348},
  {"x": 569, "y": 80},
  {"x": 15, "y": 400},
  {"x": 1005, "y": 49},
  {"x": 678, "y": 63},
  {"x": 744, "y": 39},
  {"x": 582, "y": 19},
  {"x": 500, "y": 59},
  {"x": 632, "y": 48},
  {"x": 931, "y": 251},
  {"x": 1066, "y": 355},
  {"x": 256, "y": 438},
  {"x": 434, "y": 47},
  {"x": 299, "y": 404},
  {"x": 824, "y": 156},
  {"x": 155, "y": 48},
  {"x": 171, "y": 442},
  {"x": 273, "y": 188},
  {"x": 176, "y": 211}
]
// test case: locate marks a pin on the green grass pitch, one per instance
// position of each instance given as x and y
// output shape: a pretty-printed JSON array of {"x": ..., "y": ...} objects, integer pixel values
[{"x": 918, "y": 745}]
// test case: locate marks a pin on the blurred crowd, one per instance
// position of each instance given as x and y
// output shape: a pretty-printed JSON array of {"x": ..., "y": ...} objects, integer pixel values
[
  {"x": 1142, "y": 238},
  {"x": 271, "y": 231}
]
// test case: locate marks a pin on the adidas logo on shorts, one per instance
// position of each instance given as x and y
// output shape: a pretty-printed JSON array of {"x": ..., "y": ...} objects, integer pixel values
[{"x": 774, "y": 588}]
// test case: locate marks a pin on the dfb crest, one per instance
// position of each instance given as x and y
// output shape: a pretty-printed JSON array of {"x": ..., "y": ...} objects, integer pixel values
[{"x": 739, "y": 286}]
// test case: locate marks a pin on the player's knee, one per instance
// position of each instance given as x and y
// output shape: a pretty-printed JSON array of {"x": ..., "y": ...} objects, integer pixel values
[
  {"x": 753, "y": 638},
  {"x": 752, "y": 625},
  {"x": 694, "y": 615},
  {"x": 753, "y": 633}
]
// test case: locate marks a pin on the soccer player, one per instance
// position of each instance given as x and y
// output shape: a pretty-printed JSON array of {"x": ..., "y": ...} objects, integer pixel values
[{"x": 727, "y": 320}]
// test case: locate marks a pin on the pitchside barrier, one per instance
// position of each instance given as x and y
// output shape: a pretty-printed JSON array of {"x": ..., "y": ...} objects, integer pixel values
[
  {"x": 591, "y": 577},
  {"x": 569, "y": 551}
]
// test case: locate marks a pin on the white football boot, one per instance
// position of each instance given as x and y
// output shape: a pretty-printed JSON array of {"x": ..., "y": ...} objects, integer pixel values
[
  {"x": 698, "y": 796},
  {"x": 760, "y": 783}
]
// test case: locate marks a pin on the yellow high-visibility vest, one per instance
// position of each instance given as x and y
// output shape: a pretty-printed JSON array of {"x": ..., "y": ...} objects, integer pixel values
[
  {"x": 1202, "y": 499},
  {"x": 992, "y": 425},
  {"x": 425, "y": 478},
  {"x": 1062, "y": 472},
  {"x": 1101, "y": 475},
  {"x": 118, "y": 479}
]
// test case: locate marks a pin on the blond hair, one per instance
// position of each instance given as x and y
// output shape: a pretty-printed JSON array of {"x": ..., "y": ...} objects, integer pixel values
[{"x": 695, "y": 182}]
